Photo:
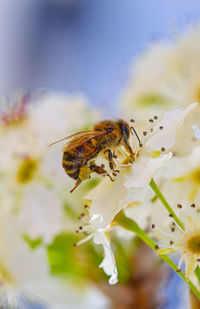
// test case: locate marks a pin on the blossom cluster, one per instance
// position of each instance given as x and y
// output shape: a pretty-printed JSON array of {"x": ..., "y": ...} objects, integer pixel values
[{"x": 48, "y": 234}]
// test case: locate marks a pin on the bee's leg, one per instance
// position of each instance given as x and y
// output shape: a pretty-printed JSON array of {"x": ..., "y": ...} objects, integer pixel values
[
  {"x": 111, "y": 162},
  {"x": 78, "y": 181},
  {"x": 84, "y": 174},
  {"x": 99, "y": 170}
]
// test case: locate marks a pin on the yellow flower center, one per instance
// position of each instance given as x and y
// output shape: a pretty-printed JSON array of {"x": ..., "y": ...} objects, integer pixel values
[
  {"x": 196, "y": 176},
  {"x": 27, "y": 170},
  {"x": 193, "y": 244},
  {"x": 5, "y": 276}
]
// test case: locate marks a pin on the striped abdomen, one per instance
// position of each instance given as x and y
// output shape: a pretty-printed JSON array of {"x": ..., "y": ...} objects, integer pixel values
[
  {"x": 72, "y": 162},
  {"x": 74, "y": 159}
]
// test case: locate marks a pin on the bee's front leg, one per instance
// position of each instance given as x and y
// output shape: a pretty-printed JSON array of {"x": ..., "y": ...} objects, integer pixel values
[
  {"x": 109, "y": 157},
  {"x": 99, "y": 170}
]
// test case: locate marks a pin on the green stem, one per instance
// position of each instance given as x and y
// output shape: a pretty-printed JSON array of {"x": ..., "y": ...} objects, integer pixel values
[
  {"x": 132, "y": 226},
  {"x": 155, "y": 188}
]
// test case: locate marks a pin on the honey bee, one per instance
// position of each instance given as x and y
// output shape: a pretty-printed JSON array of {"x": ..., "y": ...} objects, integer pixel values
[{"x": 84, "y": 146}]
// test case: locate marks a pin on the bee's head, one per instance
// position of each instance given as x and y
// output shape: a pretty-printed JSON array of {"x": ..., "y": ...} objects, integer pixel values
[
  {"x": 125, "y": 133},
  {"x": 125, "y": 128}
]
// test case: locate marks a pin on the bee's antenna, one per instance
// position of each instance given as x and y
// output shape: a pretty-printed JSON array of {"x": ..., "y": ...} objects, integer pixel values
[{"x": 134, "y": 131}]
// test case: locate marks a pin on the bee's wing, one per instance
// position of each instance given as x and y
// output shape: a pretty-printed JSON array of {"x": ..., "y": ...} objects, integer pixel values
[
  {"x": 84, "y": 138},
  {"x": 70, "y": 136}
]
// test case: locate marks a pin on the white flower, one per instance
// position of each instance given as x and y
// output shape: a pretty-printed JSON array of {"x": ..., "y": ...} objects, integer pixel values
[
  {"x": 186, "y": 242},
  {"x": 32, "y": 179},
  {"x": 174, "y": 79},
  {"x": 108, "y": 198},
  {"x": 182, "y": 178},
  {"x": 163, "y": 138},
  {"x": 108, "y": 264}
]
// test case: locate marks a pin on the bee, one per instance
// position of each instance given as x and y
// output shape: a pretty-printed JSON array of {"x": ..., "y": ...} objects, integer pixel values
[{"x": 84, "y": 146}]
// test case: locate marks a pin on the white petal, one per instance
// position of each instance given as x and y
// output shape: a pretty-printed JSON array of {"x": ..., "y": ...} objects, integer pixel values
[
  {"x": 108, "y": 264},
  {"x": 108, "y": 198},
  {"x": 196, "y": 131},
  {"x": 144, "y": 169},
  {"x": 178, "y": 167},
  {"x": 171, "y": 122}
]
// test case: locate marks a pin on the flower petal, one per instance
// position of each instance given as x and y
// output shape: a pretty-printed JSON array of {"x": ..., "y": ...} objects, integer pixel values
[
  {"x": 108, "y": 264},
  {"x": 171, "y": 122},
  {"x": 108, "y": 198},
  {"x": 190, "y": 264},
  {"x": 144, "y": 169},
  {"x": 196, "y": 131}
]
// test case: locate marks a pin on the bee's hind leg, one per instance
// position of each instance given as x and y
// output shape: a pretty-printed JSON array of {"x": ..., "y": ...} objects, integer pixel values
[
  {"x": 99, "y": 170},
  {"x": 84, "y": 174},
  {"x": 110, "y": 160},
  {"x": 78, "y": 182}
]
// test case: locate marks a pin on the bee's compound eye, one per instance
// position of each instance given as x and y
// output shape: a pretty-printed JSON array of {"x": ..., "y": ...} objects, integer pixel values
[{"x": 126, "y": 131}]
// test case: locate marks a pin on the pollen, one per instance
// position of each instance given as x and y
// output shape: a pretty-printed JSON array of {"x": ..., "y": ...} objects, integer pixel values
[
  {"x": 27, "y": 170},
  {"x": 193, "y": 244}
]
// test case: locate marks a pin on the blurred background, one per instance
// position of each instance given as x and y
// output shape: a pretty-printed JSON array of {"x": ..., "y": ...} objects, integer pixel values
[
  {"x": 86, "y": 46},
  {"x": 83, "y": 45}
]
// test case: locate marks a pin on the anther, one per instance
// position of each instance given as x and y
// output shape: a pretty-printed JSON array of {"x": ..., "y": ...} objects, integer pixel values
[
  {"x": 179, "y": 206},
  {"x": 151, "y": 120},
  {"x": 198, "y": 260},
  {"x": 75, "y": 245},
  {"x": 82, "y": 215},
  {"x": 132, "y": 120},
  {"x": 80, "y": 227},
  {"x": 114, "y": 174},
  {"x": 156, "y": 247},
  {"x": 178, "y": 270},
  {"x": 171, "y": 242},
  {"x": 173, "y": 229},
  {"x": 102, "y": 165},
  {"x": 193, "y": 205},
  {"x": 171, "y": 215},
  {"x": 77, "y": 231},
  {"x": 155, "y": 117},
  {"x": 163, "y": 149},
  {"x": 144, "y": 133},
  {"x": 161, "y": 127},
  {"x": 85, "y": 206},
  {"x": 153, "y": 226},
  {"x": 151, "y": 129},
  {"x": 140, "y": 145},
  {"x": 115, "y": 156},
  {"x": 131, "y": 161}
]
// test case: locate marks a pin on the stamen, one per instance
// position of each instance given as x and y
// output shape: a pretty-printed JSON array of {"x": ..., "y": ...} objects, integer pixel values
[
  {"x": 161, "y": 127},
  {"x": 153, "y": 226},
  {"x": 82, "y": 241},
  {"x": 193, "y": 205},
  {"x": 155, "y": 117},
  {"x": 179, "y": 206},
  {"x": 133, "y": 129},
  {"x": 171, "y": 215},
  {"x": 144, "y": 133},
  {"x": 150, "y": 120},
  {"x": 132, "y": 120}
]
